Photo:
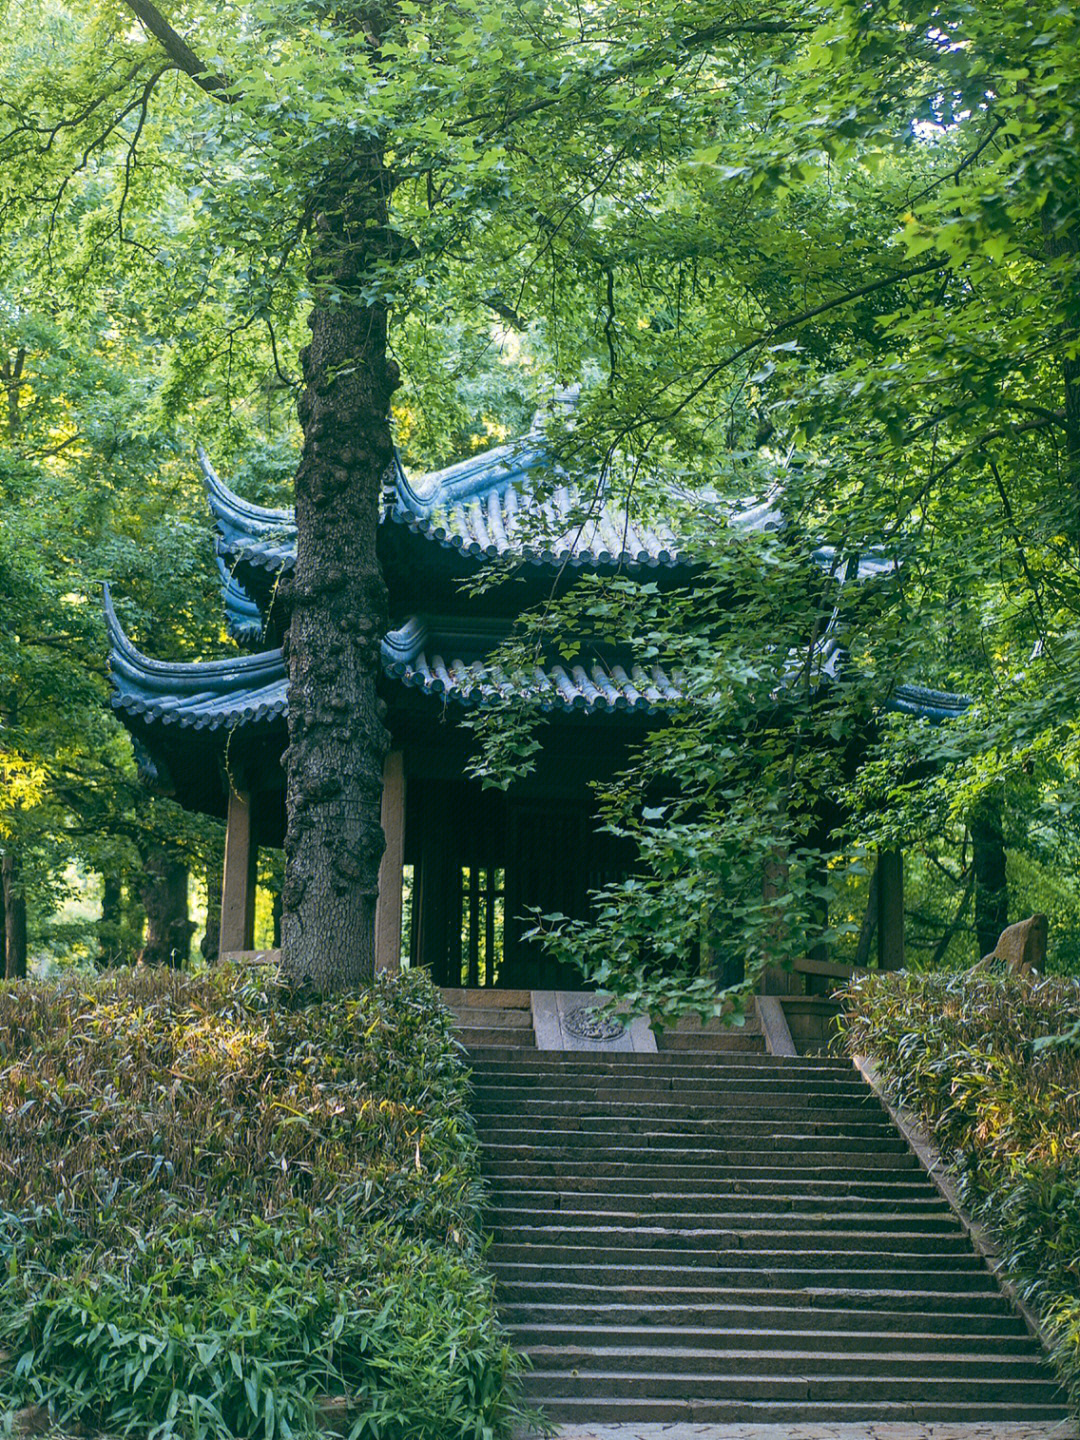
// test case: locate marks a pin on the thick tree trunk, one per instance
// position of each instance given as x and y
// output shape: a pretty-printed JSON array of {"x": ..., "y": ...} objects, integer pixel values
[
  {"x": 109, "y": 926},
  {"x": 210, "y": 944},
  {"x": 275, "y": 918},
  {"x": 164, "y": 893},
  {"x": 337, "y": 740},
  {"x": 14, "y": 930},
  {"x": 14, "y": 920},
  {"x": 991, "y": 885},
  {"x": 132, "y": 916}
]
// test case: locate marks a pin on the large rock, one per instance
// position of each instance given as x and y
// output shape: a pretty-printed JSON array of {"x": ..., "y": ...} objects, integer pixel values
[{"x": 1021, "y": 948}]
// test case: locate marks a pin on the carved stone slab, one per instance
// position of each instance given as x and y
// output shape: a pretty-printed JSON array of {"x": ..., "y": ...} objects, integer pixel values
[{"x": 568, "y": 1020}]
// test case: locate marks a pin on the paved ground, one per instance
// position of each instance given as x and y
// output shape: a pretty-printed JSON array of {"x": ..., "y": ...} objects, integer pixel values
[{"x": 869, "y": 1431}]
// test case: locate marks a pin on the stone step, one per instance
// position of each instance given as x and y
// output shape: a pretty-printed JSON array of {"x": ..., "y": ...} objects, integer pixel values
[
  {"x": 831, "y": 1155},
  {"x": 877, "y": 1187},
  {"x": 536, "y": 1105},
  {"x": 832, "y": 1225},
  {"x": 813, "y": 1384},
  {"x": 705, "y": 1166},
  {"x": 767, "y": 1250},
  {"x": 609, "y": 1276},
  {"x": 501, "y": 1059},
  {"x": 603, "y": 1409},
  {"x": 479, "y": 1017},
  {"x": 709, "y": 1044},
  {"x": 725, "y": 1245},
  {"x": 763, "y": 1299},
  {"x": 696, "y": 1128},
  {"x": 741, "y": 1136},
  {"x": 505, "y": 1060},
  {"x": 911, "y": 1360},
  {"x": 472, "y": 1036},
  {"x": 517, "y": 1205},
  {"x": 729, "y": 1100},
  {"x": 543, "y": 1324},
  {"x": 694, "y": 1088}
]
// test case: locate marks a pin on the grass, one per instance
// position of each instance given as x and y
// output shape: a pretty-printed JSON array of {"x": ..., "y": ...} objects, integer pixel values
[
  {"x": 988, "y": 1064},
  {"x": 220, "y": 1204}
]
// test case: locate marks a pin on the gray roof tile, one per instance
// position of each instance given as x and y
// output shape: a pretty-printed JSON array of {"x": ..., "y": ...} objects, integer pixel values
[{"x": 508, "y": 502}]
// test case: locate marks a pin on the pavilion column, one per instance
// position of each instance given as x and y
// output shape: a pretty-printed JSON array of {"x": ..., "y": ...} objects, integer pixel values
[
  {"x": 388, "y": 907},
  {"x": 890, "y": 909},
  {"x": 238, "y": 883}
]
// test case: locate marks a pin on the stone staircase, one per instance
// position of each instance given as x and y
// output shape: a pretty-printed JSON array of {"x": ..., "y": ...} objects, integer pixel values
[
  {"x": 486, "y": 1018},
  {"x": 713, "y": 1234}
]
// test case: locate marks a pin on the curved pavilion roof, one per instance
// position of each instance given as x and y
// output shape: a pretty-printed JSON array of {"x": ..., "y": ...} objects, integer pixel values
[
  {"x": 509, "y": 502},
  {"x": 252, "y": 690}
]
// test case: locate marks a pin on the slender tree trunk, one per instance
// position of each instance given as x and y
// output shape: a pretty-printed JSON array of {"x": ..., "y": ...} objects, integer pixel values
[
  {"x": 1061, "y": 235},
  {"x": 14, "y": 920},
  {"x": 954, "y": 925},
  {"x": 109, "y": 947},
  {"x": 209, "y": 945},
  {"x": 337, "y": 740},
  {"x": 991, "y": 885},
  {"x": 869, "y": 923},
  {"x": 164, "y": 893}
]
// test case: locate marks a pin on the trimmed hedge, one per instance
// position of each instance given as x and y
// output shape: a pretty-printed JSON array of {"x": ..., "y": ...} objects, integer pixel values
[
  {"x": 220, "y": 1203},
  {"x": 975, "y": 1056}
]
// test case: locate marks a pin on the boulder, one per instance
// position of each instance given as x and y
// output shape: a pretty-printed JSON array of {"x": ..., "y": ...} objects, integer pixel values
[{"x": 1021, "y": 948}]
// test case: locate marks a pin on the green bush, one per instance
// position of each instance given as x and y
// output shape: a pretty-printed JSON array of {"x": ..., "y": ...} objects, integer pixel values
[
  {"x": 975, "y": 1056},
  {"x": 219, "y": 1203}
]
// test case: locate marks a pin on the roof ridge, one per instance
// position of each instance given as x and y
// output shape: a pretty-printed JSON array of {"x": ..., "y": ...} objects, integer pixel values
[{"x": 233, "y": 510}]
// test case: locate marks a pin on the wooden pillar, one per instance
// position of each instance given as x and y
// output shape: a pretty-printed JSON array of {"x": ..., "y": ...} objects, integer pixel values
[
  {"x": 890, "y": 900},
  {"x": 388, "y": 907},
  {"x": 238, "y": 882}
]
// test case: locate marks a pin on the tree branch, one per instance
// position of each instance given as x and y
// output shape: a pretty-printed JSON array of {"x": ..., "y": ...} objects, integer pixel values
[
  {"x": 181, "y": 53},
  {"x": 1002, "y": 432},
  {"x": 1006, "y": 505},
  {"x": 686, "y": 45},
  {"x": 793, "y": 322}
]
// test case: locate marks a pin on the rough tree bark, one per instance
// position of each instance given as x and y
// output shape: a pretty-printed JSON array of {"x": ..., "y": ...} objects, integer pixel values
[
  {"x": 109, "y": 926},
  {"x": 209, "y": 945},
  {"x": 275, "y": 918},
  {"x": 337, "y": 740},
  {"x": 164, "y": 893},
  {"x": 14, "y": 920},
  {"x": 991, "y": 884},
  {"x": 14, "y": 906},
  {"x": 869, "y": 922}
]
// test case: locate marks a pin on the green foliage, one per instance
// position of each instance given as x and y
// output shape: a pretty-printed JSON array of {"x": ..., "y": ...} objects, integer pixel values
[
  {"x": 827, "y": 252},
  {"x": 223, "y": 1203},
  {"x": 969, "y": 1054}
]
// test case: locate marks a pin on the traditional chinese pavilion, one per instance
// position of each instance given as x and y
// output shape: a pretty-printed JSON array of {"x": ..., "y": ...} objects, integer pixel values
[{"x": 468, "y": 863}]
